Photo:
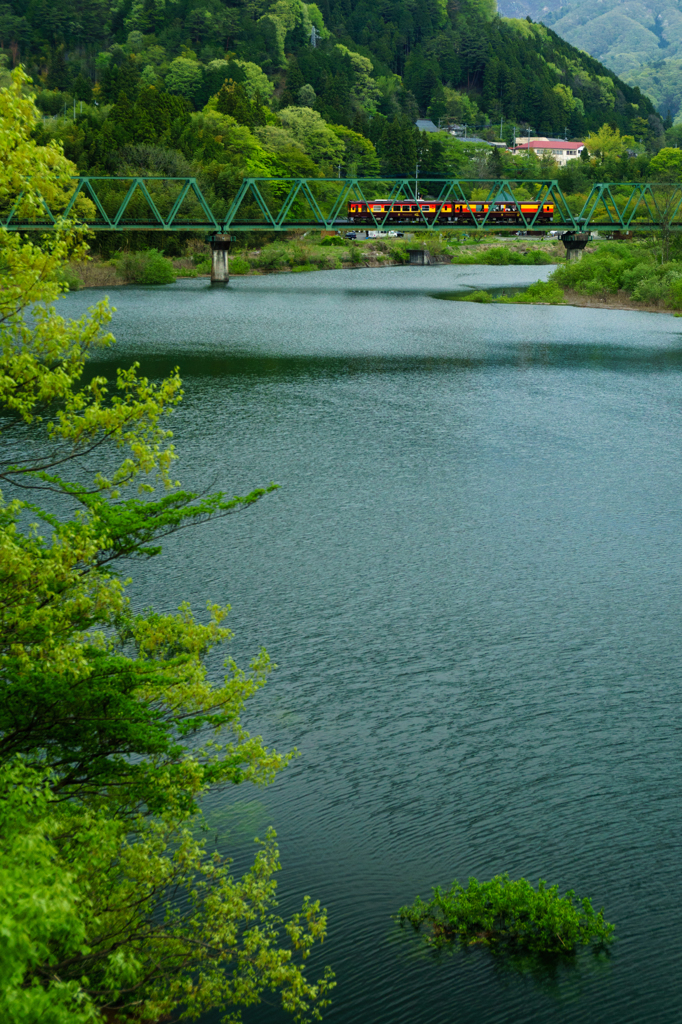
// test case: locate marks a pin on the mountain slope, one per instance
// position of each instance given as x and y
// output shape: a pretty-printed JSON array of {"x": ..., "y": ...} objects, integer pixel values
[
  {"x": 641, "y": 40},
  {"x": 455, "y": 60}
]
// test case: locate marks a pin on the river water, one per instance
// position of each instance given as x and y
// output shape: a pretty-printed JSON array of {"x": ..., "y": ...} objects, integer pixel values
[{"x": 470, "y": 581}]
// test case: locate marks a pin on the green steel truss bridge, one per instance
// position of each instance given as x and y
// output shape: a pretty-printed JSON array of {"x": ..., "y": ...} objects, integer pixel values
[{"x": 285, "y": 204}]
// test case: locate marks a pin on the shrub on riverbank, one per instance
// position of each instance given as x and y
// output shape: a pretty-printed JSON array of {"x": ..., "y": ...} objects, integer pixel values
[
  {"x": 504, "y": 256},
  {"x": 509, "y": 916},
  {"x": 545, "y": 292},
  {"x": 238, "y": 265},
  {"x": 149, "y": 267},
  {"x": 69, "y": 276},
  {"x": 633, "y": 269}
]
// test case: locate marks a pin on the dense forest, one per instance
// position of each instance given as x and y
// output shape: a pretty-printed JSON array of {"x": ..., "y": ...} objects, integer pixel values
[{"x": 139, "y": 71}]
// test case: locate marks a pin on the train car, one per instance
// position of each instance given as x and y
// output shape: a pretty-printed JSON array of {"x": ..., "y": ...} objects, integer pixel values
[{"x": 420, "y": 211}]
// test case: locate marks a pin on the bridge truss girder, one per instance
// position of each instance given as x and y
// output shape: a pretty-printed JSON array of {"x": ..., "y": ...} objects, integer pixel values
[{"x": 286, "y": 204}]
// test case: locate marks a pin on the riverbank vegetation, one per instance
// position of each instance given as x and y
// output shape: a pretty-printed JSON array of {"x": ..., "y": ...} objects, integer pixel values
[
  {"x": 113, "y": 907},
  {"x": 509, "y": 917},
  {"x": 295, "y": 253},
  {"x": 634, "y": 271},
  {"x": 627, "y": 274},
  {"x": 338, "y": 253},
  {"x": 541, "y": 292}
]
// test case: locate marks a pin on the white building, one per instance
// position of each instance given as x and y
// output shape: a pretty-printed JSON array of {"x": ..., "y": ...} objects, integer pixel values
[{"x": 559, "y": 149}]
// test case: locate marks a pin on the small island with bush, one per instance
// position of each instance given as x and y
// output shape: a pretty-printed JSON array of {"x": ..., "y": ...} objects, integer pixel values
[{"x": 509, "y": 916}]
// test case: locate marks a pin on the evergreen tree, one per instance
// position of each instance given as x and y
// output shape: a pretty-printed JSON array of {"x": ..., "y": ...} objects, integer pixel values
[{"x": 57, "y": 71}]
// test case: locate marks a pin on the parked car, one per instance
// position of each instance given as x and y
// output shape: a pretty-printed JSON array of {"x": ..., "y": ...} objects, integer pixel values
[{"x": 351, "y": 234}]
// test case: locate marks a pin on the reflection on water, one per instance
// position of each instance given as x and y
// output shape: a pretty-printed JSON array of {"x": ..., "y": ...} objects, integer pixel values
[{"x": 470, "y": 580}]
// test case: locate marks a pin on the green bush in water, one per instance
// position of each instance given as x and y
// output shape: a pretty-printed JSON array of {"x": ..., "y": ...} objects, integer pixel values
[
  {"x": 149, "y": 267},
  {"x": 479, "y": 296},
  {"x": 509, "y": 916}
]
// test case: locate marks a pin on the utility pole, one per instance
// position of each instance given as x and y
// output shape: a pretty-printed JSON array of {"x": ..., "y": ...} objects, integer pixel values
[
  {"x": 501, "y": 120},
  {"x": 416, "y": 183}
]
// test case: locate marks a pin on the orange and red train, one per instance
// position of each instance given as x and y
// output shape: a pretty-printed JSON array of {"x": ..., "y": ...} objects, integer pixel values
[{"x": 449, "y": 211}]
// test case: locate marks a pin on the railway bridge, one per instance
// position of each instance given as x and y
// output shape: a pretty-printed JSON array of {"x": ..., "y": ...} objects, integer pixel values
[{"x": 145, "y": 203}]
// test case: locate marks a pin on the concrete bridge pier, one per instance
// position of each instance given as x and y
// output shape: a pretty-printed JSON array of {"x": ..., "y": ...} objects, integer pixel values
[
  {"x": 220, "y": 269},
  {"x": 574, "y": 243}
]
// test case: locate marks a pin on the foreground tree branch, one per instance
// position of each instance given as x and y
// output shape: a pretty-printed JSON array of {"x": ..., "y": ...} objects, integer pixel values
[{"x": 111, "y": 728}]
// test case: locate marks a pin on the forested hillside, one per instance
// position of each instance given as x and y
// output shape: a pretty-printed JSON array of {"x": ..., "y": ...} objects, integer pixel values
[
  {"x": 641, "y": 40},
  {"x": 372, "y": 62}
]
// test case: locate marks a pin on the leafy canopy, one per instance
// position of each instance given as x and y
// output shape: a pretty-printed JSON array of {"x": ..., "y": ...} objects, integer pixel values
[
  {"x": 111, "y": 727},
  {"x": 608, "y": 143},
  {"x": 667, "y": 165}
]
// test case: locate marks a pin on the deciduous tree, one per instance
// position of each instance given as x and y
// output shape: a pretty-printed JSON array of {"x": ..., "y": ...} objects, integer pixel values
[{"x": 111, "y": 729}]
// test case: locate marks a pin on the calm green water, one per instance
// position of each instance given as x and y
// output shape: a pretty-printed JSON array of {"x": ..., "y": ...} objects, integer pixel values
[{"x": 471, "y": 582}]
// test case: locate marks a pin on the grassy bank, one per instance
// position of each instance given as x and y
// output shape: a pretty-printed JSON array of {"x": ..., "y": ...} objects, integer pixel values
[
  {"x": 337, "y": 253},
  {"x": 299, "y": 253},
  {"x": 616, "y": 275},
  {"x": 632, "y": 272},
  {"x": 149, "y": 267}
]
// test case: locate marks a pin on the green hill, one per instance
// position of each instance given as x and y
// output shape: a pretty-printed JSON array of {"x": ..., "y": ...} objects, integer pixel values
[
  {"x": 641, "y": 40},
  {"x": 416, "y": 57}
]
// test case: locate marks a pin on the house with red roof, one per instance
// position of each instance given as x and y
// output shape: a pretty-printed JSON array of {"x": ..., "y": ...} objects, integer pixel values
[{"x": 561, "y": 150}]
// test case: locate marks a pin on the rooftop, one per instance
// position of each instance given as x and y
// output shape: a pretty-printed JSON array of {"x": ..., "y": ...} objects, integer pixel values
[
  {"x": 427, "y": 126},
  {"x": 549, "y": 144}
]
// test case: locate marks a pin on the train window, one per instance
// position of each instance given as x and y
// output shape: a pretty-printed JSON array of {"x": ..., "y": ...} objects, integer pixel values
[
  {"x": 415, "y": 209},
  {"x": 376, "y": 209}
]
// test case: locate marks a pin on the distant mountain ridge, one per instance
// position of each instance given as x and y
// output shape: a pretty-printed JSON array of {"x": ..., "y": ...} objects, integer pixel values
[{"x": 641, "y": 40}]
